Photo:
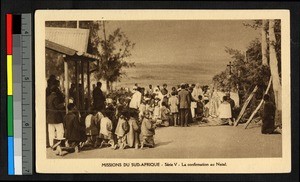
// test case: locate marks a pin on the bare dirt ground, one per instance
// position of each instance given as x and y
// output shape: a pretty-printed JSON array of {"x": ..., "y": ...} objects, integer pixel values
[{"x": 197, "y": 142}]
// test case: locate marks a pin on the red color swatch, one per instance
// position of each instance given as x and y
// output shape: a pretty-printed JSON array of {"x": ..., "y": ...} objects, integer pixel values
[{"x": 9, "y": 45}]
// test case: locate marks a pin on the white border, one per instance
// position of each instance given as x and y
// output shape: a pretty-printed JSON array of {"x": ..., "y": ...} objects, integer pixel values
[{"x": 241, "y": 165}]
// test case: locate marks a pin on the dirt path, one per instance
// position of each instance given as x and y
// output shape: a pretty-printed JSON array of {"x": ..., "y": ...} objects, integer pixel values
[{"x": 197, "y": 142}]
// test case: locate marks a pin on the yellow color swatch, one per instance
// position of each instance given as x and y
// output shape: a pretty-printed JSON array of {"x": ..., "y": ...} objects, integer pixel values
[{"x": 9, "y": 75}]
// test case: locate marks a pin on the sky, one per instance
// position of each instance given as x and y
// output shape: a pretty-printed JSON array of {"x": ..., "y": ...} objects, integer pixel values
[{"x": 200, "y": 43}]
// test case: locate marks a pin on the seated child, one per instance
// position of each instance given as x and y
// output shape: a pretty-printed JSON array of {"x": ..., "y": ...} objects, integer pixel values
[
  {"x": 142, "y": 108},
  {"x": 150, "y": 104},
  {"x": 111, "y": 114},
  {"x": 91, "y": 126},
  {"x": 121, "y": 130},
  {"x": 106, "y": 127},
  {"x": 199, "y": 110},
  {"x": 165, "y": 115},
  {"x": 74, "y": 130},
  {"x": 133, "y": 139},
  {"x": 147, "y": 130}
]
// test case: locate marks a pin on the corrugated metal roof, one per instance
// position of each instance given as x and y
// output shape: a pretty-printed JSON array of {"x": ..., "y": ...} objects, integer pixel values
[
  {"x": 68, "y": 51},
  {"x": 73, "y": 38},
  {"x": 60, "y": 48}
]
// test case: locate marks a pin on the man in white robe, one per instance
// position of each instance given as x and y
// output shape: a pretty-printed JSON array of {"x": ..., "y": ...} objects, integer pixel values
[{"x": 135, "y": 99}]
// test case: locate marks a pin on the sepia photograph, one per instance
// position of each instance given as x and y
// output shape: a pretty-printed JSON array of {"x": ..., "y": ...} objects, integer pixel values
[{"x": 162, "y": 91}]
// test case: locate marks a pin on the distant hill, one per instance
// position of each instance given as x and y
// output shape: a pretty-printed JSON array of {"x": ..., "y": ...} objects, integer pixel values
[{"x": 159, "y": 73}]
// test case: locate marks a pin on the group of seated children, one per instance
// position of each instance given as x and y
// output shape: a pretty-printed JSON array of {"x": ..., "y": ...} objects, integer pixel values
[{"x": 131, "y": 130}]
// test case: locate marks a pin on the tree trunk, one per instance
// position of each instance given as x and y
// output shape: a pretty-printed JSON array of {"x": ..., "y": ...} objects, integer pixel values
[
  {"x": 264, "y": 45},
  {"x": 274, "y": 66}
]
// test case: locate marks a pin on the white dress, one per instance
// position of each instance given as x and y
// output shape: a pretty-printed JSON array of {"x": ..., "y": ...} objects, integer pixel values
[
  {"x": 135, "y": 100},
  {"x": 225, "y": 111}
]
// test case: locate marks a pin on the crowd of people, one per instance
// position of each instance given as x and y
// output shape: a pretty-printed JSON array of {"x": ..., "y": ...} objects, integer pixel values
[{"x": 129, "y": 120}]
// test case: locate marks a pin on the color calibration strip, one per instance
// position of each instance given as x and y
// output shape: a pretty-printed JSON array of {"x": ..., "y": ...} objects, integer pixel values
[
  {"x": 10, "y": 132},
  {"x": 19, "y": 94}
]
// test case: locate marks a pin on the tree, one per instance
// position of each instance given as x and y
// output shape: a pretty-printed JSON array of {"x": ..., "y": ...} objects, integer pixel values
[
  {"x": 273, "y": 29},
  {"x": 263, "y": 60},
  {"x": 114, "y": 52},
  {"x": 274, "y": 66},
  {"x": 94, "y": 39},
  {"x": 246, "y": 73},
  {"x": 264, "y": 42}
]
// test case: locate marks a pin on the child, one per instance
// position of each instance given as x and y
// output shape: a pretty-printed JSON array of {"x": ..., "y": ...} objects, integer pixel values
[
  {"x": 74, "y": 131},
  {"x": 199, "y": 109},
  {"x": 134, "y": 130},
  {"x": 142, "y": 108},
  {"x": 148, "y": 103},
  {"x": 120, "y": 106},
  {"x": 173, "y": 103},
  {"x": 156, "y": 111},
  {"x": 225, "y": 112},
  {"x": 121, "y": 130},
  {"x": 147, "y": 130},
  {"x": 111, "y": 114},
  {"x": 174, "y": 90},
  {"x": 106, "y": 127},
  {"x": 165, "y": 115},
  {"x": 91, "y": 124},
  {"x": 150, "y": 106}
]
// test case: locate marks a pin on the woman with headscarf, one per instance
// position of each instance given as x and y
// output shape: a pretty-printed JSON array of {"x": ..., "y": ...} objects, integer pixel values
[
  {"x": 197, "y": 91},
  {"x": 158, "y": 95}
]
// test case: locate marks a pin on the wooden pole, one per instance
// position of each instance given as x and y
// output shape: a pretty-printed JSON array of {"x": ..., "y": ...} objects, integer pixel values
[
  {"x": 77, "y": 77},
  {"x": 76, "y": 83},
  {"x": 88, "y": 83},
  {"x": 245, "y": 106},
  {"x": 106, "y": 56},
  {"x": 82, "y": 85},
  {"x": 259, "y": 105},
  {"x": 66, "y": 85}
]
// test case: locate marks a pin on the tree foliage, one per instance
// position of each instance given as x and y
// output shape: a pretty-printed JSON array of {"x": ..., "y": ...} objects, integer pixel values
[
  {"x": 114, "y": 52},
  {"x": 246, "y": 72}
]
